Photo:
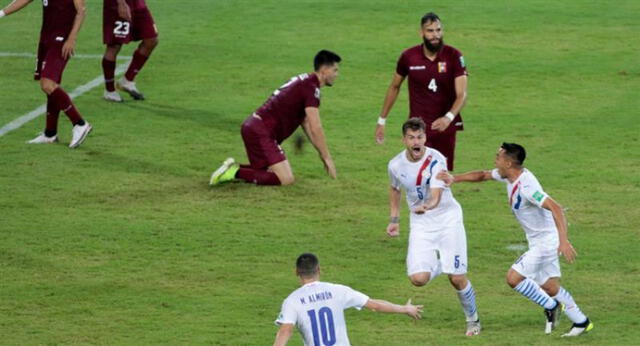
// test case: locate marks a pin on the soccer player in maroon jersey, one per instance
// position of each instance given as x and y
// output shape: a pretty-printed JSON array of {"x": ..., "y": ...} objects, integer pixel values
[
  {"x": 61, "y": 22},
  {"x": 437, "y": 88},
  {"x": 293, "y": 104},
  {"x": 125, "y": 21}
]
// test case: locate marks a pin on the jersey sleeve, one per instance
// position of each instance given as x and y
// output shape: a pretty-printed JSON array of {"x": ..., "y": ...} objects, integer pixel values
[
  {"x": 459, "y": 67},
  {"x": 533, "y": 192},
  {"x": 312, "y": 97},
  {"x": 496, "y": 176},
  {"x": 401, "y": 66},
  {"x": 393, "y": 179},
  {"x": 439, "y": 166},
  {"x": 287, "y": 314},
  {"x": 354, "y": 299}
]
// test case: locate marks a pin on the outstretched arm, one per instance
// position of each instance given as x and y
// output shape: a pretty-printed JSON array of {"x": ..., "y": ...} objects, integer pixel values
[
  {"x": 389, "y": 100},
  {"x": 413, "y": 311},
  {"x": 565, "y": 248},
  {"x": 14, "y": 6},
  {"x": 474, "y": 176},
  {"x": 284, "y": 334},
  {"x": 313, "y": 128}
]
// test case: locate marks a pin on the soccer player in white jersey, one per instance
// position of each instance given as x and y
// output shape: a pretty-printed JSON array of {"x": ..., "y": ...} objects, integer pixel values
[
  {"x": 437, "y": 240},
  {"x": 317, "y": 307},
  {"x": 536, "y": 274}
]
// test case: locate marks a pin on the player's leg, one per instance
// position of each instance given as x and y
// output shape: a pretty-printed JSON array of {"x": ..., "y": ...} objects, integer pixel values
[
  {"x": 552, "y": 286},
  {"x": 520, "y": 275},
  {"x": 143, "y": 29},
  {"x": 51, "y": 128},
  {"x": 422, "y": 259},
  {"x": 453, "y": 256},
  {"x": 109, "y": 71},
  {"x": 61, "y": 101},
  {"x": 445, "y": 143}
]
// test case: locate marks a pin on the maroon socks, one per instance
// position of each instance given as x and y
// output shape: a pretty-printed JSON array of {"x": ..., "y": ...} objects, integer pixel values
[
  {"x": 256, "y": 176},
  {"x": 136, "y": 65},
  {"x": 109, "y": 70}
]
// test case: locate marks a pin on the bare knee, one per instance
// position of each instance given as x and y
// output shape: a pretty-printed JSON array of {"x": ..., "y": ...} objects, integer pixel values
[
  {"x": 111, "y": 53},
  {"x": 514, "y": 278},
  {"x": 458, "y": 281},
  {"x": 48, "y": 86},
  {"x": 148, "y": 45},
  {"x": 420, "y": 279},
  {"x": 552, "y": 286}
]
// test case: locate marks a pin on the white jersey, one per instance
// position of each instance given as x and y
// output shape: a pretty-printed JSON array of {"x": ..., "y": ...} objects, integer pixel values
[
  {"x": 417, "y": 179},
  {"x": 317, "y": 309},
  {"x": 525, "y": 199}
]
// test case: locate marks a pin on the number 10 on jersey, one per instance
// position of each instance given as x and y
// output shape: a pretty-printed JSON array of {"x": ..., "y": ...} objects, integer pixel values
[{"x": 324, "y": 318}]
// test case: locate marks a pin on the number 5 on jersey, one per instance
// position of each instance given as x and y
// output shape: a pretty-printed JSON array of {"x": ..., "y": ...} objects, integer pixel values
[{"x": 432, "y": 85}]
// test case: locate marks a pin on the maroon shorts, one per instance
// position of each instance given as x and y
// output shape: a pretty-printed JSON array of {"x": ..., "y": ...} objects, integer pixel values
[
  {"x": 50, "y": 63},
  {"x": 262, "y": 150},
  {"x": 116, "y": 30},
  {"x": 445, "y": 143}
]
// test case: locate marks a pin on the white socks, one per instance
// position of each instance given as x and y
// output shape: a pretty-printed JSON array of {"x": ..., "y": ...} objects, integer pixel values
[
  {"x": 467, "y": 298},
  {"x": 571, "y": 308}
]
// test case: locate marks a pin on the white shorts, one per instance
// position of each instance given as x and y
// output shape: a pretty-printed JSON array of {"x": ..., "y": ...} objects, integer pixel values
[
  {"x": 446, "y": 248},
  {"x": 538, "y": 266}
]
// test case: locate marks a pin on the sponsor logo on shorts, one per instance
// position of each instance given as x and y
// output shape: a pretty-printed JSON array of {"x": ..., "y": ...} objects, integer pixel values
[{"x": 59, "y": 38}]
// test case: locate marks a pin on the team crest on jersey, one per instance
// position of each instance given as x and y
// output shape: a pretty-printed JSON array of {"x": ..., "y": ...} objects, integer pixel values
[
  {"x": 442, "y": 67},
  {"x": 317, "y": 93}
]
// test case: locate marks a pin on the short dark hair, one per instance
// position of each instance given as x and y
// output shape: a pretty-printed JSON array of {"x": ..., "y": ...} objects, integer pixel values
[
  {"x": 515, "y": 152},
  {"x": 307, "y": 265},
  {"x": 325, "y": 57},
  {"x": 414, "y": 124},
  {"x": 428, "y": 18}
]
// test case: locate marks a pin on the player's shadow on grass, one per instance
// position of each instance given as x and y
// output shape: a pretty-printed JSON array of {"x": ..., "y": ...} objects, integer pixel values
[{"x": 204, "y": 118}]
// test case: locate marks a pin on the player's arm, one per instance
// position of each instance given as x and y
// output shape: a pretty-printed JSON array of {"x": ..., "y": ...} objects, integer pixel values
[
  {"x": 14, "y": 6},
  {"x": 69, "y": 47},
  {"x": 431, "y": 203},
  {"x": 393, "y": 229},
  {"x": 284, "y": 334},
  {"x": 474, "y": 177},
  {"x": 414, "y": 311},
  {"x": 124, "y": 11},
  {"x": 443, "y": 122},
  {"x": 565, "y": 248},
  {"x": 313, "y": 128},
  {"x": 389, "y": 100}
]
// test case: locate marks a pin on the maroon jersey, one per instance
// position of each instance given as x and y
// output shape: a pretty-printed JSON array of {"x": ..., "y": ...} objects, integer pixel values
[
  {"x": 432, "y": 89},
  {"x": 57, "y": 20},
  {"x": 284, "y": 110}
]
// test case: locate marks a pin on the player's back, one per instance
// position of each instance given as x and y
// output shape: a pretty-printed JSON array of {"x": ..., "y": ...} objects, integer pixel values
[
  {"x": 57, "y": 20},
  {"x": 317, "y": 309},
  {"x": 284, "y": 111}
]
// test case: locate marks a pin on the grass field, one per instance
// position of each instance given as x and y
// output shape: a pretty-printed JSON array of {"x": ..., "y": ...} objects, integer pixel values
[{"x": 122, "y": 241}]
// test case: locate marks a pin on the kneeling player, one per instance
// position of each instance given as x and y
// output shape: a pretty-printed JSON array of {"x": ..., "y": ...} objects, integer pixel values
[
  {"x": 125, "y": 21},
  {"x": 293, "y": 104},
  {"x": 536, "y": 274},
  {"x": 437, "y": 240}
]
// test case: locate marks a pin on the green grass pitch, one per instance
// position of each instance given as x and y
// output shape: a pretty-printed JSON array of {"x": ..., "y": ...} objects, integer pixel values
[{"x": 122, "y": 242}]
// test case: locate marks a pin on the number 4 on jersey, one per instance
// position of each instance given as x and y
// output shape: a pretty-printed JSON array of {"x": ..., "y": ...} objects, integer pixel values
[{"x": 432, "y": 85}]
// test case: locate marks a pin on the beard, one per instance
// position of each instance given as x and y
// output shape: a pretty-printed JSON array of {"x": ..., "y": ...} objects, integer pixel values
[{"x": 431, "y": 47}]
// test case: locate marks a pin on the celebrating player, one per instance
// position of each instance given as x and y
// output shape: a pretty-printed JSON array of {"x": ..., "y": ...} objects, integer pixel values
[
  {"x": 437, "y": 240},
  {"x": 437, "y": 88},
  {"x": 536, "y": 274},
  {"x": 125, "y": 21},
  {"x": 293, "y": 104},
  {"x": 61, "y": 22},
  {"x": 317, "y": 308}
]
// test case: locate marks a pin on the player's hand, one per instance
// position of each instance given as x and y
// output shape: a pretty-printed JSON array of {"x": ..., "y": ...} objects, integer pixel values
[
  {"x": 421, "y": 209},
  {"x": 414, "y": 311},
  {"x": 379, "y": 134},
  {"x": 68, "y": 48},
  {"x": 393, "y": 229},
  {"x": 124, "y": 11},
  {"x": 446, "y": 177},
  {"x": 440, "y": 124},
  {"x": 567, "y": 250},
  {"x": 331, "y": 168}
]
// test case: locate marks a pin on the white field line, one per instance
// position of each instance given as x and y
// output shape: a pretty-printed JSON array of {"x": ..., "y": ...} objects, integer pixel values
[
  {"x": 31, "y": 55},
  {"x": 23, "y": 119}
]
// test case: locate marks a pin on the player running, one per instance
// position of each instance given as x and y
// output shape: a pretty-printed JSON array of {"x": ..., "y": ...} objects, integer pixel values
[
  {"x": 125, "y": 21},
  {"x": 61, "y": 22},
  {"x": 437, "y": 88},
  {"x": 437, "y": 240},
  {"x": 295, "y": 103},
  {"x": 317, "y": 308},
  {"x": 536, "y": 274}
]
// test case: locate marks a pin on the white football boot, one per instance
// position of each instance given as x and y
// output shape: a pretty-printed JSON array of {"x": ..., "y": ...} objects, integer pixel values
[
  {"x": 79, "y": 133},
  {"x": 42, "y": 139},
  {"x": 112, "y": 96},
  {"x": 130, "y": 87}
]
